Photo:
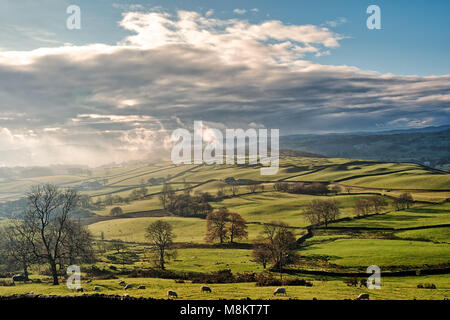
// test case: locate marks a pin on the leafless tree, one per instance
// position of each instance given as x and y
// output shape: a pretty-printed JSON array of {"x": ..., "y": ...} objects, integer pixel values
[
  {"x": 262, "y": 254},
  {"x": 216, "y": 225},
  {"x": 237, "y": 227},
  {"x": 161, "y": 237},
  {"x": 16, "y": 249},
  {"x": 46, "y": 220},
  {"x": 321, "y": 211}
]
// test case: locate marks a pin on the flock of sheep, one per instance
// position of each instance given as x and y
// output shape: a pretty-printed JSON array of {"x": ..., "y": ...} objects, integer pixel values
[{"x": 174, "y": 294}]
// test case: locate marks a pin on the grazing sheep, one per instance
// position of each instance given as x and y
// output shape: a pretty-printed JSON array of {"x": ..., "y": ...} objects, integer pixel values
[
  {"x": 363, "y": 296},
  {"x": 79, "y": 289},
  {"x": 206, "y": 289},
  {"x": 171, "y": 293},
  {"x": 96, "y": 288},
  {"x": 19, "y": 277},
  {"x": 279, "y": 290},
  {"x": 128, "y": 286},
  {"x": 141, "y": 287}
]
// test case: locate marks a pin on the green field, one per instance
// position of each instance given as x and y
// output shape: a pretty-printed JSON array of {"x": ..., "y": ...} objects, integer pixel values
[
  {"x": 398, "y": 288},
  {"x": 361, "y": 253},
  {"x": 347, "y": 246}
]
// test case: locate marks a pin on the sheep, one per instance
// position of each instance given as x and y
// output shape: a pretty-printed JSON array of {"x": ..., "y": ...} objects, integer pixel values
[
  {"x": 206, "y": 289},
  {"x": 141, "y": 287},
  {"x": 128, "y": 286},
  {"x": 79, "y": 289},
  {"x": 171, "y": 293},
  {"x": 363, "y": 296},
  {"x": 96, "y": 288},
  {"x": 279, "y": 290}
]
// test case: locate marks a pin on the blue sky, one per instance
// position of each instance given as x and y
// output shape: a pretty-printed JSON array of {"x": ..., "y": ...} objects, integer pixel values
[
  {"x": 137, "y": 70},
  {"x": 414, "y": 38}
]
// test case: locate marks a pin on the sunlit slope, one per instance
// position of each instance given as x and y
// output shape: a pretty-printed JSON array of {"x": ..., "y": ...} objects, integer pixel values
[{"x": 121, "y": 180}]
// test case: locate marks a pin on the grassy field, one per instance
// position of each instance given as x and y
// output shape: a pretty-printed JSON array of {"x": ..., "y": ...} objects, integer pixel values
[
  {"x": 440, "y": 235},
  {"x": 415, "y": 217},
  {"x": 361, "y": 253},
  {"x": 399, "y": 288},
  {"x": 351, "y": 245}
]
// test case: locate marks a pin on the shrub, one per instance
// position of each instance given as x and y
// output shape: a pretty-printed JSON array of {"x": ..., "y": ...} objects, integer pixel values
[
  {"x": 426, "y": 286},
  {"x": 246, "y": 277},
  {"x": 297, "y": 282},
  {"x": 7, "y": 283},
  {"x": 265, "y": 279}
]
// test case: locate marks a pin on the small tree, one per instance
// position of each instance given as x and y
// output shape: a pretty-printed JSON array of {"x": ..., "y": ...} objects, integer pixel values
[
  {"x": 116, "y": 211},
  {"x": 335, "y": 189},
  {"x": 282, "y": 244},
  {"x": 252, "y": 187},
  {"x": 234, "y": 189},
  {"x": 46, "y": 219},
  {"x": 262, "y": 254},
  {"x": 362, "y": 207},
  {"x": 17, "y": 249},
  {"x": 160, "y": 234},
  {"x": 216, "y": 225},
  {"x": 321, "y": 211},
  {"x": 237, "y": 228},
  {"x": 378, "y": 203},
  {"x": 165, "y": 195}
]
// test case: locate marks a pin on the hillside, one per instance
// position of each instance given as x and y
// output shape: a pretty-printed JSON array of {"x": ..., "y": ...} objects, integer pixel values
[
  {"x": 428, "y": 146},
  {"x": 399, "y": 241}
]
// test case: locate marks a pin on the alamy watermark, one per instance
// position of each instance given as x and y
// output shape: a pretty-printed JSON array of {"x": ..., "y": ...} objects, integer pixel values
[
  {"x": 374, "y": 281},
  {"x": 374, "y": 20},
  {"x": 236, "y": 145},
  {"x": 74, "y": 20},
  {"x": 74, "y": 280}
]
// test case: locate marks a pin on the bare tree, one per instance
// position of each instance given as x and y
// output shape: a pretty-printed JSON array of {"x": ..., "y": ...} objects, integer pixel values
[
  {"x": 238, "y": 227},
  {"x": 321, "y": 211},
  {"x": 77, "y": 245},
  {"x": 262, "y": 254},
  {"x": 46, "y": 220},
  {"x": 252, "y": 187},
  {"x": 161, "y": 238},
  {"x": 18, "y": 253},
  {"x": 378, "y": 203},
  {"x": 216, "y": 225},
  {"x": 234, "y": 189},
  {"x": 165, "y": 195},
  {"x": 363, "y": 207},
  {"x": 282, "y": 244}
]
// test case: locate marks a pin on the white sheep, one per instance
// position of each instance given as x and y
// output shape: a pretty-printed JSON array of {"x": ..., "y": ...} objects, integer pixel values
[
  {"x": 363, "y": 296},
  {"x": 279, "y": 290}
]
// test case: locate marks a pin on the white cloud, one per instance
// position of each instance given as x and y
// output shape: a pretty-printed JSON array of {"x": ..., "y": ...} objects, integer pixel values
[
  {"x": 240, "y": 11},
  {"x": 99, "y": 103}
]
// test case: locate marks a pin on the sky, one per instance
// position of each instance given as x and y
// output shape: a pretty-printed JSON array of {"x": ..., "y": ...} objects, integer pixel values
[{"x": 116, "y": 88}]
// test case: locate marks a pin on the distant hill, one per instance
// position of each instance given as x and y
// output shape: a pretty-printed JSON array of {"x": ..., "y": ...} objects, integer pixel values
[
  {"x": 299, "y": 153},
  {"x": 428, "y": 146}
]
